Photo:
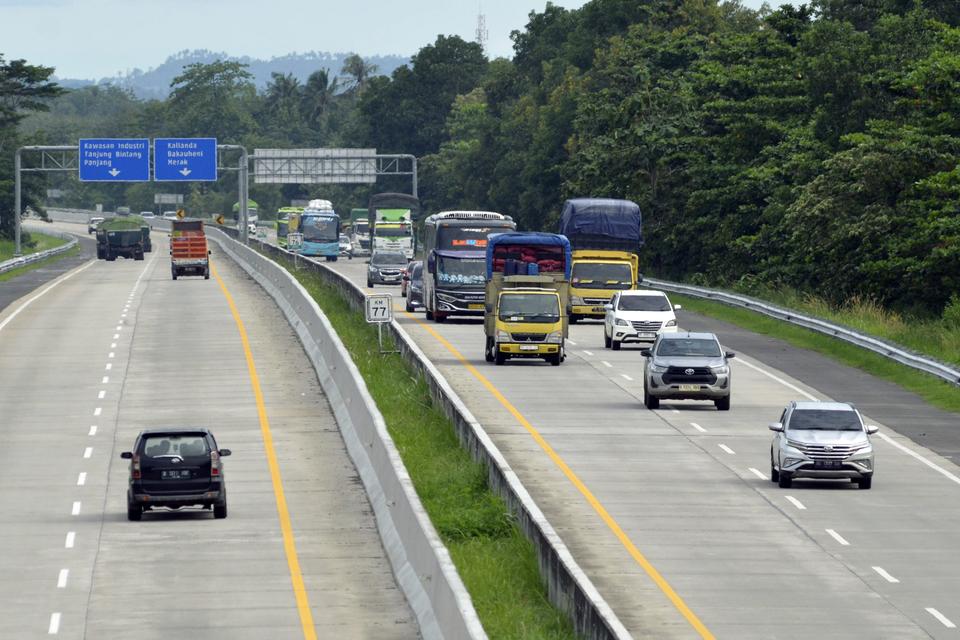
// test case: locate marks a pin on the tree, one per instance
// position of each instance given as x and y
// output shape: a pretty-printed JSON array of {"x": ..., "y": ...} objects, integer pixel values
[
  {"x": 359, "y": 71},
  {"x": 318, "y": 96},
  {"x": 213, "y": 100}
]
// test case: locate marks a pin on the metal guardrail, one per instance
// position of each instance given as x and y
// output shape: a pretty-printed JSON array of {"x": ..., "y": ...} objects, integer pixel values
[
  {"x": 568, "y": 586},
  {"x": 881, "y": 347},
  {"x": 16, "y": 263}
]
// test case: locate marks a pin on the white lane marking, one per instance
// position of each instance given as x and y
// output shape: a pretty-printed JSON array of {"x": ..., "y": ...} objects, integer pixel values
[
  {"x": 727, "y": 449},
  {"x": 606, "y": 364},
  {"x": 116, "y": 336},
  {"x": 119, "y": 327},
  {"x": 109, "y": 366},
  {"x": 110, "y": 354},
  {"x": 76, "y": 508},
  {"x": 839, "y": 538},
  {"x": 778, "y": 379},
  {"x": 795, "y": 502},
  {"x": 569, "y": 341},
  {"x": 626, "y": 377},
  {"x": 123, "y": 315},
  {"x": 886, "y": 576},
  {"x": 101, "y": 395},
  {"x": 698, "y": 427},
  {"x": 40, "y": 295},
  {"x": 944, "y": 620},
  {"x": 62, "y": 578},
  {"x": 54, "y": 624},
  {"x": 88, "y": 452},
  {"x": 919, "y": 457},
  {"x": 71, "y": 538},
  {"x": 113, "y": 345},
  {"x": 82, "y": 479},
  {"x": 98, "y": 411},
  {"x": 589, "y": 353},
  {"x": 674, "y": 409},
  {"x": 758, "y": 473},
  {"x": 106, "y": 380},
  {"x": 93, "y": 430}
]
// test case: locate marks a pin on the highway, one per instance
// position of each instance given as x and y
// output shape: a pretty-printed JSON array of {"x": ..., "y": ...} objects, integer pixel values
[
  {"x": 672, "y": 513},
  {"x": 108, "y": 349}
]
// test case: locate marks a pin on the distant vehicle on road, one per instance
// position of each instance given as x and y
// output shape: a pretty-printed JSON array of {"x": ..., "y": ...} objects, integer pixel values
[
  {"x": 93, "y": 223},
  {"x": 414, "y": 284},
  {"x": 147, "y": 214},
  {"x": 821, "y": 440},
  {"x": 189, "y": 254},
  {"x": 169, "y": 215},
  {"x": 386, "y": 268},
  {"x": 637, "y": 316},
  {"x": 346, "y": 247},
  {"x": 175, "y": 468},
  {"x": 686, "y": 366},
  {"x": 120, "y": 237}
]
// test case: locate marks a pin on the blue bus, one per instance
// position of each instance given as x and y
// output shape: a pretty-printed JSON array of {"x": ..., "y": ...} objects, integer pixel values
[{"x": 320, "y": 231}]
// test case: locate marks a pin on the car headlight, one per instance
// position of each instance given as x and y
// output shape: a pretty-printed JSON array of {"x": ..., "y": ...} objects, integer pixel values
[
  {"x": 503, "y": 336},
  {"x": 620, "y": 322},
  {"x": 555, "y": 337},
  {"x": 445, "y": 297},
  {"x": 656, "y": 368},
  {"x": 789, "y": 462},
  {"x": 721, "y": 370},
  {"x": 577, "y": 300},
  {"x": 671, "y": 323}
]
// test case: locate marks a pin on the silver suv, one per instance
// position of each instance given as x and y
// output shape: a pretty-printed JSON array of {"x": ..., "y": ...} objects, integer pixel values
[
  {"x": 821, "y": 440},
  {"x": 686, "y": 366}
]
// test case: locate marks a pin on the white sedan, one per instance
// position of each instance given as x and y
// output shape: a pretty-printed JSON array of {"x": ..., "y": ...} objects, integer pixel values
[{"x": 637, "y": 316}]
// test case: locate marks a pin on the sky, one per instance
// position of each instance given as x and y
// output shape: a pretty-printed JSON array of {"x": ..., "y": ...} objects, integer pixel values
[{"x": 100, "y": 38}]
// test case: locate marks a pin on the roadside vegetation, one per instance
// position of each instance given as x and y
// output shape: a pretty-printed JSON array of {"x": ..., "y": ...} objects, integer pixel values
[
  {"x": 866, "y": 317},
  {"x": 37, "y": 265},
  {"x": 495, "y": 561}
]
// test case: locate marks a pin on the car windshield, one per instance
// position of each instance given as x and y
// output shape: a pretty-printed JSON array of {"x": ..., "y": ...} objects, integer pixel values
[
  {"x": 529, "y": 307},
  {"x": 643, "y": 303},
  {"x": 319, "y": 228},
  {"x": 689, "y": 347},
  {"x": 459, "y": 272},
  {"x": 362, "y": 228},
  {"x": 416, "y": 273},
  {"x": 602, "y": 276},
  {"x": 389, "y": 260},
  {"x": 823, "y": 420},
  {"x": 175, "y": 445}
]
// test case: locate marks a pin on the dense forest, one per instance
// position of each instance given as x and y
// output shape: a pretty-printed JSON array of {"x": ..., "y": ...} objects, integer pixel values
[{"x": 814, "y": 147}]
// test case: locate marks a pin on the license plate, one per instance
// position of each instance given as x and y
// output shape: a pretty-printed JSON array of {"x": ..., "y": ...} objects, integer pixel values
[
  {"x": 175, "y": 474},
  {"x": 827, "y": 464},
  {"x": 647, "y": 335},
  {"x": 475, "y": 306},
  {"x": 689, "y": 387},
  {"x": 599, "y": 310},
  {"x": 528, "y": 347}
]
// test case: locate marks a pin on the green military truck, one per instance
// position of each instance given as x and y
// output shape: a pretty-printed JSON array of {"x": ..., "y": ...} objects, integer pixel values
[{"x": 121, "y": 237}]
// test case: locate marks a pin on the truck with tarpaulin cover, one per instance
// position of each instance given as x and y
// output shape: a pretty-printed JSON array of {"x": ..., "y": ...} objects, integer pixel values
[
  {"x": 121, "y": 237},
  {"x": 391, "y": 218},
  {"x": 454, "y": 253},
  {"x": 605, "y": 235},
  {"x": 189, "y": 254},
  {"x": 526, "y": 298}
]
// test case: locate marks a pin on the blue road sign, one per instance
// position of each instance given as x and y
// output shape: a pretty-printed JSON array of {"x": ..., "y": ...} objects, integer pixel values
[
  {"x": 114, "y": 160},
  {"x": 185, "y": 159}
]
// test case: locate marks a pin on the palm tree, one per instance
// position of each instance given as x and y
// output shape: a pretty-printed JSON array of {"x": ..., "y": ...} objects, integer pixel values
[
  {"x": 282, "y": 89},
  {"x": 317, "y": 96},
  {"x": 359, "y": 71}
]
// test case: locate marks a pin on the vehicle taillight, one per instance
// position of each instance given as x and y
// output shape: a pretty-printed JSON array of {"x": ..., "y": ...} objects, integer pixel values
[
  {"x": 214, "y": 463},
  {"x": 135, "y": 467}
]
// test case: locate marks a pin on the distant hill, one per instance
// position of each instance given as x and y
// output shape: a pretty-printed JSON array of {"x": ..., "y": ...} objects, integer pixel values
[{"x": 155, "y": 83}]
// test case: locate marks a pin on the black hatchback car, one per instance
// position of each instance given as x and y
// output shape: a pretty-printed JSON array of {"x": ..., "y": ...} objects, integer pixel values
[{"x": 176, "y": 468}]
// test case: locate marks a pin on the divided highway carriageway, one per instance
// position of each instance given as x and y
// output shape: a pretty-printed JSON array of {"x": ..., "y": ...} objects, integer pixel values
[
  {"x": 111, "y": 348},
  {"x": 672, "y": 513}
]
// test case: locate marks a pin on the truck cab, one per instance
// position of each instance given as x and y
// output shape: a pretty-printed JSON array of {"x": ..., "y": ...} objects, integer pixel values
[
  {"x": 526, "y": 297},
  {"x": 597, "y": 276}
]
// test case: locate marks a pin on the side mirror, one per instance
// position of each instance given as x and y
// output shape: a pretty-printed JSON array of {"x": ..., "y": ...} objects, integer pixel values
[
  {"x": 872, "y": 429},
  {"x": 225, "y": 452},
  {"x": 677, "y": 307},
  {"x": 608, "y": 307},
  {"x": 729, "y": 354},
  {"x": 127, "y": 455},
  {"x": 208, "y": 252},
  {"x": 646, "y": 353},
  {"x": 775, "y": 426}
]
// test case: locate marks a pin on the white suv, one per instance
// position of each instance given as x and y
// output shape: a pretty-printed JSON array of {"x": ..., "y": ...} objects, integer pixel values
[{"x": 637, "y": 316}]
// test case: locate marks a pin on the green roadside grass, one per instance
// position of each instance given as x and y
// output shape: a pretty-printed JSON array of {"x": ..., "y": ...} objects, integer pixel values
[
  {"x": 43, "y": 242},
  {"x": 497, "y": 564},
  {"x": 937, "y": 392}
]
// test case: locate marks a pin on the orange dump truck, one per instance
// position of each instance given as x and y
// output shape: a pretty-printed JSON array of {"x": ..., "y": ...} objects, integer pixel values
[{"x": 188, "y": 249}]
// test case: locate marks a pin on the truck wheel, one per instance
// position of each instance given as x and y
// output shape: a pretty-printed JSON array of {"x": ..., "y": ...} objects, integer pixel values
[
  {"x": 138, "y": 255},
  {"x": 134, "y": 512},
  {"x": 173, "y": 272},
  {"x": 555, "y": 360},
  {"x": 615, "y": 344},
  {"x": 206, "y": 273},
  {"x": 488, "y": 352},
  {"x": 429, "y": 314},
  {"x": 369, "y": 285},
  {"x": 220, "y": 510},
  {"x": 440, "y": 317},
  {"x": 498, "y": 357},
  {"x": 574, "y": 319},
  {"x": 100, "y": 255},
  {"x": 606, "y": 340},
  {"x": 409, "y": 307},
  {"x": 723, "y": 404}
]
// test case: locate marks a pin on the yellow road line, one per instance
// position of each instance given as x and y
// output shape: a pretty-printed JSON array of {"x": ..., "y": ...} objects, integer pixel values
[
  {"x": 612, "y": 524},
  {"x": 289, "y": 544}
]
